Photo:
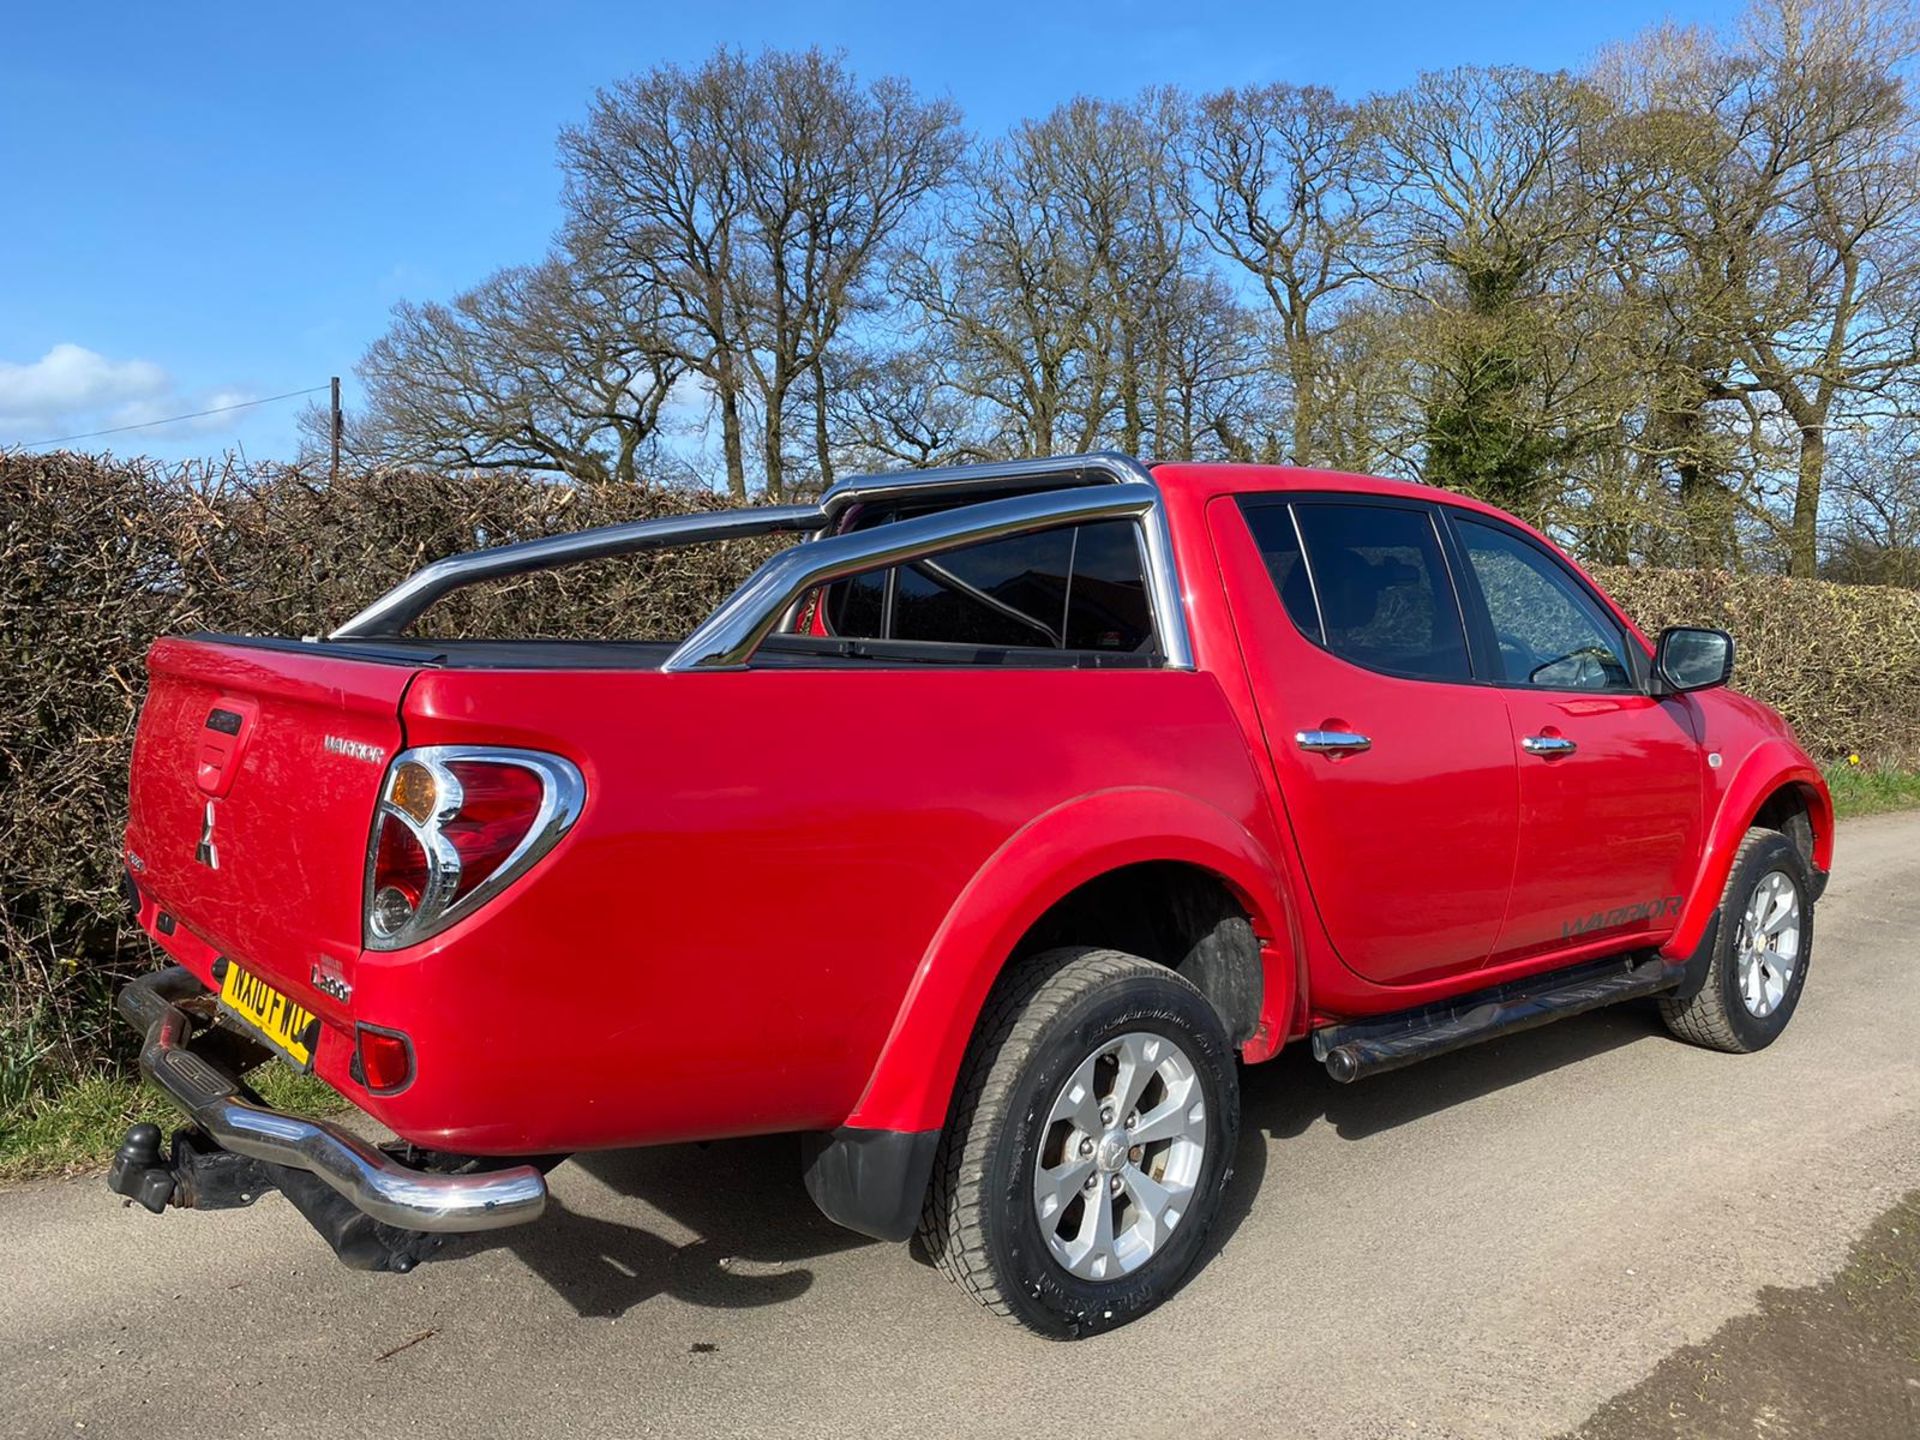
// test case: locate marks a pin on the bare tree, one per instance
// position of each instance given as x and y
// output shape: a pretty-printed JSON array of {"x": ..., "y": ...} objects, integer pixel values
[
  {"x": 1791, "y": 188},
  {"x": 1842, "y": 318},
  {"x": 651, "y": 184},
  {"x": 1077, "y": 304},
  {"x": 1285, "y": 186},
  {"x": 1011, "y": 289},
  {"x": 1214, "y": 394},
  {"x": 1652, "y": 306},
  {"x": 560, "y": 367},
  {"x": 754, "y": 197},
  {"x": 1115, "y": 182},
  {"x": 839, "y": 171},
  {"x": 902, "y": 407},
  {"x": 1875, "y": 534}
]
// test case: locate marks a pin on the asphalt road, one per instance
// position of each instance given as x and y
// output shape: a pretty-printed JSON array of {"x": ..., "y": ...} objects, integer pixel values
[{"x": 1487, "y": 1245}]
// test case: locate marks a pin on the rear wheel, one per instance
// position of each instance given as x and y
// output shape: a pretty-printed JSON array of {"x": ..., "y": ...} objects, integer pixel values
[
  {"x": 1760, "y": 956},
  {"x": 1089, "y": 1146}
]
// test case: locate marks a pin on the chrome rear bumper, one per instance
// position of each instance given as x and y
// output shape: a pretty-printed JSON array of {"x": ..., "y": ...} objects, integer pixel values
[{"x": 370, "y": 1180}]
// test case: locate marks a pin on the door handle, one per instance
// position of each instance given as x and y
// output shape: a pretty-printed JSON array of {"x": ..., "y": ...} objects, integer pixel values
[
  {"x": 1548, "y": 745},
  {"x": 1331, "y": 742}
]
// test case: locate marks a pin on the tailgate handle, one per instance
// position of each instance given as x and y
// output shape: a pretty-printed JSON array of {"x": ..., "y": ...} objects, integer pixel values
[{"x": 222, "y": 738}]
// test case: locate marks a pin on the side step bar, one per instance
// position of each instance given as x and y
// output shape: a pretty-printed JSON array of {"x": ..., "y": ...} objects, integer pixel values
[{"x": 1380, "y": 1043}]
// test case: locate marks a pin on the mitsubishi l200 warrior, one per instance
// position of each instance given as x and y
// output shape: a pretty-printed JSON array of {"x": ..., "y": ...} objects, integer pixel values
[{"x": 1118, "y": 776}]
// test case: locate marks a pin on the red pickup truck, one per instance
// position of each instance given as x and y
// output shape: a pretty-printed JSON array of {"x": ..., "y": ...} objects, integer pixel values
[{"x": 974, "y": 838}]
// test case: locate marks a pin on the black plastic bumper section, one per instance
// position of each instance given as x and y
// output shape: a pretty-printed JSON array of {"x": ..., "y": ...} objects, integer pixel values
[{"x": 1376, "y": 1045}]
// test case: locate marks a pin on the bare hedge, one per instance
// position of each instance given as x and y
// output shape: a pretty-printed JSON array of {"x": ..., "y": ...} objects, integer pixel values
[
  {"x": 1841, "y": 662},
  {"x": 98, "y": 557}
]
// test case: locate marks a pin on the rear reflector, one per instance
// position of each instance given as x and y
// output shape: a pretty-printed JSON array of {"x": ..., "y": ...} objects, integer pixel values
[{"x": 383, "y": 1060}]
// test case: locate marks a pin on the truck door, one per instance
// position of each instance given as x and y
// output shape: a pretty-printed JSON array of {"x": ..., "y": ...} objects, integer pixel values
[
  {"x": 1610, "y": 777},
  {"x": 1395, "y": 762}
]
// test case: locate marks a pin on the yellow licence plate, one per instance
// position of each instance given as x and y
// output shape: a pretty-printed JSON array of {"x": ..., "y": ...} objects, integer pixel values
[{"x": 288, "y": 1028}]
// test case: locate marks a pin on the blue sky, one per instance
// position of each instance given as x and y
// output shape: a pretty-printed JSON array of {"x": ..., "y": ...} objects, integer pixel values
[{"x": 210, "y": 204}]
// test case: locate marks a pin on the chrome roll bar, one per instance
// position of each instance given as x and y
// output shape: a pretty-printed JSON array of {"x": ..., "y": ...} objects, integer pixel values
[
  {"x": 1102, "y": 467},
  {"x": 1125, "y": 488},
  {"x": 408, "y": 600},
  {"x": 726, "y": 638}
]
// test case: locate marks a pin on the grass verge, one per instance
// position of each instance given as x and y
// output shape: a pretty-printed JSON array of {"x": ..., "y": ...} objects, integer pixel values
[
  {"x": 80, "y": 1127},
  {"x": 1860, "y": 790}
]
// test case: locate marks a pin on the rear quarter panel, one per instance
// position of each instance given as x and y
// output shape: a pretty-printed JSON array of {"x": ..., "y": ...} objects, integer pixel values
[{"x": 723, "y": 942}]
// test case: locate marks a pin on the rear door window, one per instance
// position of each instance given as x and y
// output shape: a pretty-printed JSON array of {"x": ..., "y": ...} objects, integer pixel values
[
  {"x": 1371, "y": 585},
  {"x": 1273, "y": 531}
]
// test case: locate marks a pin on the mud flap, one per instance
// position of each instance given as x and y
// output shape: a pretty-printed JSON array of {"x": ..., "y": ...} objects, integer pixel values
[
  {"x": 1699, "y": 962},
  {"x": 872, "y": 1181}
]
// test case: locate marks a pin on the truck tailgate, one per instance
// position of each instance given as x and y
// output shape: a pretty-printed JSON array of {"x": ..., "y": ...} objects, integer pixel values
[{"x": 255, "y": 774}]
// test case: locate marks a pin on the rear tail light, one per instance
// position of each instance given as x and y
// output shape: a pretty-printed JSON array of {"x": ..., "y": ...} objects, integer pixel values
[{"x": 457, "y": 824}]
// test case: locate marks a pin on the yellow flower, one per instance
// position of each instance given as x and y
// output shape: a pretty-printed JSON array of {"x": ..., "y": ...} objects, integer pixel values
[{"x": 1853, "y": 759}]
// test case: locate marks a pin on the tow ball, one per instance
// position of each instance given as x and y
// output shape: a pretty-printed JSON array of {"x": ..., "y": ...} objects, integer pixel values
[
  {"x": 137, "y": 1173},
  {"x": 199, "y": 1174}
]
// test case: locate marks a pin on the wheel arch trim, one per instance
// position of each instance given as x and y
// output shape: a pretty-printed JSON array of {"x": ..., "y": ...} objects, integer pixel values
[
  {"x": 1771, "y": 767},
  {"x": 1039, "y": 865}
]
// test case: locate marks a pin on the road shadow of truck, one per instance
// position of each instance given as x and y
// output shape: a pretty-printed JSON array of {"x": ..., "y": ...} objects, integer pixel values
[
  {"x": 1287, "y": 1096},
  {"x": 1294, "y": 1092},
  {"x": 755, "y": 1231}
]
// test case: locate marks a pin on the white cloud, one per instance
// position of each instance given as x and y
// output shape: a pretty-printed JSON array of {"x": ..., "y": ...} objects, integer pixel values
[{"x": 72, "y": 389}]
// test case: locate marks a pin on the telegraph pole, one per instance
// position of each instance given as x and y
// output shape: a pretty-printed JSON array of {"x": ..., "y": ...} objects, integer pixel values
[{"x": 334, "y": 430}]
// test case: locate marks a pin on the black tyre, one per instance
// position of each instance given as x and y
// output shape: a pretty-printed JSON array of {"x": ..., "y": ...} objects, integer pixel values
[
  {"x": 1089, "y": 1146},
  {"x": 1760, "y": 956}
]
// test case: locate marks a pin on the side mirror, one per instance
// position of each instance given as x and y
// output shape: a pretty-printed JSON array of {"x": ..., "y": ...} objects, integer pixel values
[{"x": 1691, "y": 658}]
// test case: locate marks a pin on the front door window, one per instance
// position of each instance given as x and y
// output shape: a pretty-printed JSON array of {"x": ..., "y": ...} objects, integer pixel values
[{"x": 1550, "y": 634}]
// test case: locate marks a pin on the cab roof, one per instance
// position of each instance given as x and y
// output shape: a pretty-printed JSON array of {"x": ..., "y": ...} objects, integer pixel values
[{"x": 1205, "y": 478}]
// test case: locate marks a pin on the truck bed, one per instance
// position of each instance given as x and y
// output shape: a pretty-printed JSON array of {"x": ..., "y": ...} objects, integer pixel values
[{"x": 777, "y": 652}]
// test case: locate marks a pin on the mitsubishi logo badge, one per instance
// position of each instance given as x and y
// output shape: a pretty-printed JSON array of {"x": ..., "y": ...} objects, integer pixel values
[{"x": 207, "y": 854}]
